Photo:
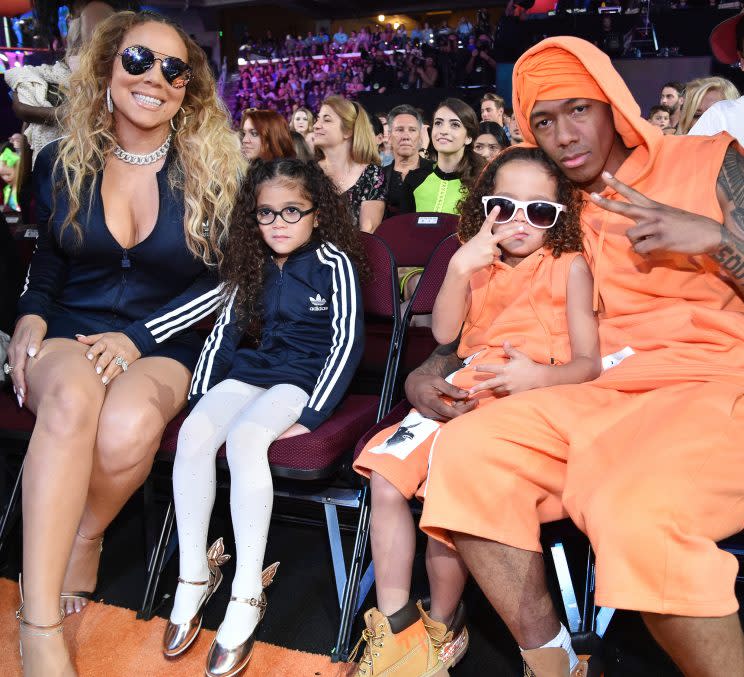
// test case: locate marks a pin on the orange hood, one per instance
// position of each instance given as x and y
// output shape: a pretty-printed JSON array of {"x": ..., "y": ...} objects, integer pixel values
[{"x": 567, "y": 67}]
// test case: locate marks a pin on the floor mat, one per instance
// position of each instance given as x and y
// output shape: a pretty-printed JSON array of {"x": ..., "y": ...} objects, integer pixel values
[{"x": 108, "y": 640}]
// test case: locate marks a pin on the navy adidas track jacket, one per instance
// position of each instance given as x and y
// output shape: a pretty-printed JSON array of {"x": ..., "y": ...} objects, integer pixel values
[{"x": 312, "y": 334}]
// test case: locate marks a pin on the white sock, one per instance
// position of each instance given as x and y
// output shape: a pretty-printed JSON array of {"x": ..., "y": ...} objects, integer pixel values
[
  {"x": 252, "y": 497},
  {"x": 194, "y": 482},
  {"x": 563, "y": 640}
]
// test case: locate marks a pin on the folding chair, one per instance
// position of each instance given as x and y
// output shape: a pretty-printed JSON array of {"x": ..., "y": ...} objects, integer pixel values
[
  {"x": 316, "y": 456},
  {"x": 413, "y": 237}
]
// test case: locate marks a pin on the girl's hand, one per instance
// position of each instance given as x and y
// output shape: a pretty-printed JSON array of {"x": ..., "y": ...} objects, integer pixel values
[
  {"x": 108, "y": 347},
  {"x": 293, "y": 430},
  {"x": 520, "y": 373},
  {"x": 30, "y": 331},
  {"x": 483, "y": 249}
]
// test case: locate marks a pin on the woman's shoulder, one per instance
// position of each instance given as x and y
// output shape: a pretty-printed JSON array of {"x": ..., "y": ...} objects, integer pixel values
[{"x": 48, "y": 154}]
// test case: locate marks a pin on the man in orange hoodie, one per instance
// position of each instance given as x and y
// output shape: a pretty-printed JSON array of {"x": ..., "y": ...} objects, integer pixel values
[{"x": 648, "y": 459}]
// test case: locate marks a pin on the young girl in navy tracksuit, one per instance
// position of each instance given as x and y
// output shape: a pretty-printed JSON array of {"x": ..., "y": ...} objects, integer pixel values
[{"x": 279, "y": 359}]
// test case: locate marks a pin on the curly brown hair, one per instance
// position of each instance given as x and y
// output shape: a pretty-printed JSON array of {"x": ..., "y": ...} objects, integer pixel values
[
  {"x": 564, "y": 236},
  {"x": 246, "y": 253}
]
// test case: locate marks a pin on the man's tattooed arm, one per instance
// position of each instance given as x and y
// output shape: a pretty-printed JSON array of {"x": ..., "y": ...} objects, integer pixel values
[{"x": 730, "y": 253}]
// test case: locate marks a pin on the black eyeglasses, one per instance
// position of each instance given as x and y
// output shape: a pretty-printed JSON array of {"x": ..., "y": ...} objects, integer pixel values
[
  {"x": 539, "y": 213},
  {"x": 266, "y": 216},
  {"x": 138, "y": 59}
]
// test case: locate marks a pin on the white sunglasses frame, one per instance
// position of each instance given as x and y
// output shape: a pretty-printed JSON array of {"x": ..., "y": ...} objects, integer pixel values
[{"x": 523, "y": 204}]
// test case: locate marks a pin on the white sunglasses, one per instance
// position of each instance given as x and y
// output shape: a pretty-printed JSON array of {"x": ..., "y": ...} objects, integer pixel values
[{"x": 539, "y": 213}]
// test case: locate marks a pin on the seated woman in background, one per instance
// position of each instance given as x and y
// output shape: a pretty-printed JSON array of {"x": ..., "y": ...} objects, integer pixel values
[
  {"x": 454, "y": 129},
  {"x": 491, "y": 140},
  {"x": 133, "y": 206},
  {"x": 700, "y": 95},
  {"x": 265, "y": 134},
  {"x": 343, "y": 135}
]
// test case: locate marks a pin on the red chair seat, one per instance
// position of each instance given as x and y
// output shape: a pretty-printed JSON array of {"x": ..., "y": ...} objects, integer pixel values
[
  {"x": 14, "y": 422},
  {"x": 303, "y": 455}
]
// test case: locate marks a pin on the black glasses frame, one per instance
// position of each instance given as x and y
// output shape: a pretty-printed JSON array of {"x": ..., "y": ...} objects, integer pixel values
[
  {"x": 137, "y": 60},
  {"x": 301, "y": 215}
]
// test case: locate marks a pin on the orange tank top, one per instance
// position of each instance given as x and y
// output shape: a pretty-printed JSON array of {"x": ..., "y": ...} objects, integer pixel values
[{"x": 525, "y": 305}]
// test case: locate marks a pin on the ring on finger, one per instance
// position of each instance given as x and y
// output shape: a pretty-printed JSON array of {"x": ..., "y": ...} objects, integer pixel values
[
  {"x": 121, "y": 362},
  {"x": 7, "y": 369}
]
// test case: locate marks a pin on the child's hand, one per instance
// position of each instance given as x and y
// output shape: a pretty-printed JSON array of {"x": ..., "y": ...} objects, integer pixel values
[
  {"x": 520, "y": 373},
  {"x": 293, "y": 430},
  {"x": 483, "y": 248}
]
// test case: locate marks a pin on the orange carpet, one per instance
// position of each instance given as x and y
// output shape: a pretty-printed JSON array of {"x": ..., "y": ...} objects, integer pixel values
[{"x": 109, "y": 641}]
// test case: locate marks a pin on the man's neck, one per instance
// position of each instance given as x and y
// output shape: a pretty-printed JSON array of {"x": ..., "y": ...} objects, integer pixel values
[
  {"x": 617, "y": 156},
  {"x": 674, "y": 117},
  {"x": 405, "y": 163}
]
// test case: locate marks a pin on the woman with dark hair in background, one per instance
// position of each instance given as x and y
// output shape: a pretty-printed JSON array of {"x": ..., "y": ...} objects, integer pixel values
[
  {"x": 265, "y": 134},
  {"x": 491, "y": 140},
  {"x": 453, "y": 131}
]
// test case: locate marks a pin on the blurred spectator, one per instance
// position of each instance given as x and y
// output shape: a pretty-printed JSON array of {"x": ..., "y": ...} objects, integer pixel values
[
  {"x": 427, "y": 34},
  {"x": 386, "y": 154},
  {"x": 700, "y": 95},
  {"x": 378, "y": 76},
  {"x": 659, "y": 116},
  {"x": 406, "y": 126},
  {"x": 9, "y": 173},
  {"x": 514, "y": 132},
  {"x": 481, "y": 68},
  {"x": 428, "y": 75},
  {"x": 343, "y": 135},
  {"x": 340, "y": 38},
  {"x": 302, "y": 150},
  {"x": 483, "y": 21},
  {"x": 673, "y": 96},
  {"x": 464, "y": 28},
  {"x": 491, "y": 140},
  {"x": 302, "y": 121},
  {"x": 265, "y": 135},
  {"x": 492, "y": 108}
]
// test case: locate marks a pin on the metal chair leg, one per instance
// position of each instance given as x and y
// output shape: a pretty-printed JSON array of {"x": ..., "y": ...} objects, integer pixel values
[
  {"x": 156, "y": 564},
  {"x": 11, "y": 511},
  {"x": 340, "y": 651}
]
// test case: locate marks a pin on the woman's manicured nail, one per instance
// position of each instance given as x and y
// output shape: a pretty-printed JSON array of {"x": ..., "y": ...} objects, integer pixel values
[
  {"x": 98, "y": 370},
  {"x": 606, "y": 175},
  {"x": 21, "y": 393},
  {"x": 104, "y": 380},
  {"x": 20, "y": 400},
  {"x": 14, "y": 390},
  {"x": 31, "y": 352},
  {"x": 79, "y": 335},
  {"x": 595, "y": 196},
  {"x": 89, "y": 356}
]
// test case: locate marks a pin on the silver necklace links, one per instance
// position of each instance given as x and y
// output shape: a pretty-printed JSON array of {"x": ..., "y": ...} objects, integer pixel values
[{"x": 144, "y": 158}]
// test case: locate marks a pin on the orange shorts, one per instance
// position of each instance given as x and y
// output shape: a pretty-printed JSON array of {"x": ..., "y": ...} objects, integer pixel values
[{"x": 654, "y": 479}]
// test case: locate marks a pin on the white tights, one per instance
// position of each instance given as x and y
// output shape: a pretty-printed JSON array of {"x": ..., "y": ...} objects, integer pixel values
[{"x": 248, "y": 419}]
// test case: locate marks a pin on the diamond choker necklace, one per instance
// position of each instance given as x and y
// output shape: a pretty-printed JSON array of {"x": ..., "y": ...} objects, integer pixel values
[{"x": 145, "y": 158}]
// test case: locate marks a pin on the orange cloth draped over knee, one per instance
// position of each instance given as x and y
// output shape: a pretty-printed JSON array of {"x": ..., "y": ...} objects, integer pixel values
[
  {"x": 644, "y": 458},
  {"x": 525, "y": 305}
]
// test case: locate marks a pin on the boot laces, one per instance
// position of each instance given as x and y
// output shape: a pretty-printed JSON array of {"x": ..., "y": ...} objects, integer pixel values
[
  {"x": 372, "y": 641},
  {"x": 437, "y": 642}
]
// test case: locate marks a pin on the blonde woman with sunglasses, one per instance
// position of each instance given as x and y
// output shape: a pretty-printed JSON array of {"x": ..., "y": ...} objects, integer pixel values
[{"x": 133, "y": 205}]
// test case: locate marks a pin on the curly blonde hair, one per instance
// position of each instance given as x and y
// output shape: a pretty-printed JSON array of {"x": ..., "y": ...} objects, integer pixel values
[{"x": 207, "y": 166}]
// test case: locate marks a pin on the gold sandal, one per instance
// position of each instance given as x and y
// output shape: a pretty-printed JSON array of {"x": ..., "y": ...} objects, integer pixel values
[
  {"x": 224, "y": 662},
  {"x": 82, "y": 594},
  {"x": 180, "y": 636},
  {"x": 32, "y": 628}
]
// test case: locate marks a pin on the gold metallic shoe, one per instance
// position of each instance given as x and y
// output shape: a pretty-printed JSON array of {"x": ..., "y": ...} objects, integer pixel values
[
  {"x": 223, "y": 662},
  {"x": 180, "y": 636}
]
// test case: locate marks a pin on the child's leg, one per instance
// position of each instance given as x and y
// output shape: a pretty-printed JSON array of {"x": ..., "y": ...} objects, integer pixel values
[
  {"x": 393, "y": 536},
  {"x": 252, "y": 497},
  {"x": 194, "y": 479},
  {"x": 447, "y": 576}
]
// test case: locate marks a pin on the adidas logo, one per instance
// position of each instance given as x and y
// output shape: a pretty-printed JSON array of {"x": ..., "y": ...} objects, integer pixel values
[{"x": 318, "y": 303}]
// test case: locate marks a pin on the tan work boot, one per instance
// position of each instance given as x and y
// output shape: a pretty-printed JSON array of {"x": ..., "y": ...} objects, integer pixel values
[
  {"x": 552, "y": 662},
  {"x": 397, "y": 646},
  {"x": 451, "y": 642}
]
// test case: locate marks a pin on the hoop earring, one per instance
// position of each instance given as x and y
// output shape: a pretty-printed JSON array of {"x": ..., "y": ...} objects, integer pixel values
[
  {"x": 109, "y": 102},
  {"x": 173, "y": 127}
]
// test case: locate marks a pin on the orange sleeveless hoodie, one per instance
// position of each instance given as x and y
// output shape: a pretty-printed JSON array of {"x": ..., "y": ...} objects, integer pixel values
[
  {"x": 683, "y": 319},
  {"x": 525, "y": 305}
]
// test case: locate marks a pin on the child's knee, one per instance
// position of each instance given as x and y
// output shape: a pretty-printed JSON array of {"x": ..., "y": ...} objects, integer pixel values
[{"x": 385, "y": 492}]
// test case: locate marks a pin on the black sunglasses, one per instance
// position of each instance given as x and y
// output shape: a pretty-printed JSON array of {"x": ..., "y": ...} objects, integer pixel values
[{"x": 138, "y": 59}]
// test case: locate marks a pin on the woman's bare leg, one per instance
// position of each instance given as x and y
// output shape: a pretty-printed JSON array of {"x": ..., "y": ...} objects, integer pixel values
[
  {"x": 66, "y": 395},
  {"x": 137, "y": 407}
]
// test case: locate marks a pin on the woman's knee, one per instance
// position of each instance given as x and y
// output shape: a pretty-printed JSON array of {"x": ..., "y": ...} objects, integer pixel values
[
  {"x": 66, "y": 408},
  {"x": 127, "y": 439}
]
